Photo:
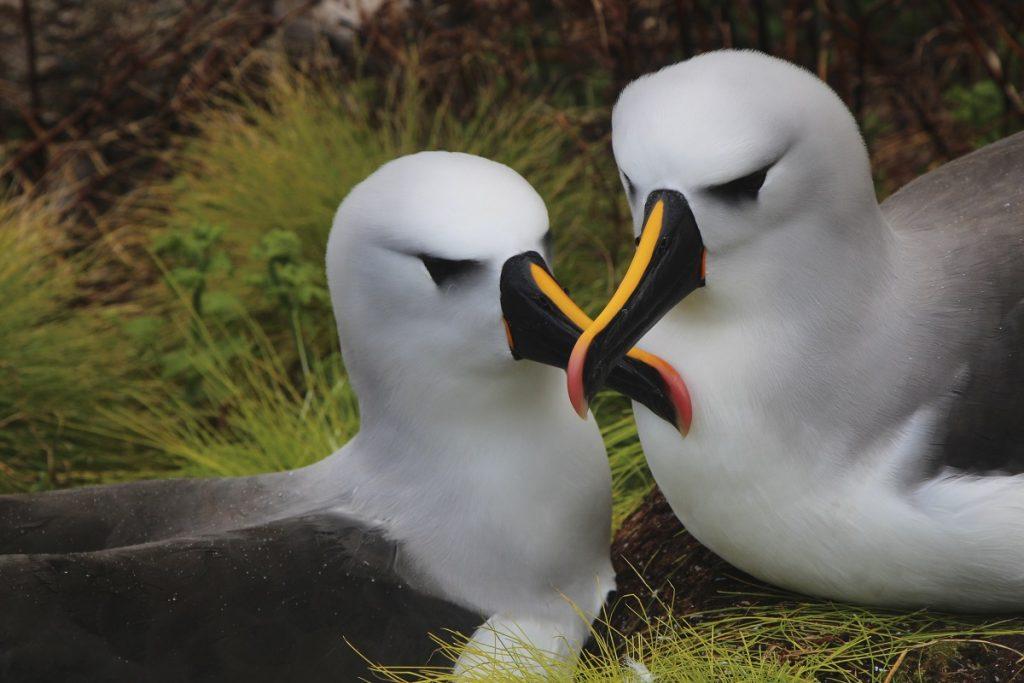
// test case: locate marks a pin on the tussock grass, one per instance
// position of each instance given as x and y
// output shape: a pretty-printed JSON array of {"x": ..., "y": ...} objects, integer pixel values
[
  {"x": 631, "y": 480},
  {"x": 798, "y": 641},
  {"x": 257, "y": 414},
  {"x": 57, "y": 364},
  {"x": 286, "y": 160}
]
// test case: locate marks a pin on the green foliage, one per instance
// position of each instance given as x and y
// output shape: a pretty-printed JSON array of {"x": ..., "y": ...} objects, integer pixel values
[
  {"x": 230, "y": 400},
  {"x": 254, "y": 416},
  {"x": 293, "y": 283},
  {"x": 195, "y": 258},
  {"x": 192, "y": 262},
  {"x": 979, "y": 106},
  {"x": 297, "y": 288},
  {"x": 792, "y": 641},
  {"x": 57, "y": 362},
  {"x": 276, "y": 169}
]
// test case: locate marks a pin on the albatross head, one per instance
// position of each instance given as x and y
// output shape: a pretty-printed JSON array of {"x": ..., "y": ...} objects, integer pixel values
[
  {"x": 413, "y": 262},
  {"x": 750, "y": 188},
  {"x": 439, "y": 284}
]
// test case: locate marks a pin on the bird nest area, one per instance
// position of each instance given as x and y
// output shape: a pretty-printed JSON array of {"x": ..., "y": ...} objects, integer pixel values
[
  {"x": 675, "y": 594},
  {"x": 681, "y": 613}
]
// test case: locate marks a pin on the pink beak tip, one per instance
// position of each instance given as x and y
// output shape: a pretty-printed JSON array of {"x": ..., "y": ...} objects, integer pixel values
[{"x": 574, "y": 381}]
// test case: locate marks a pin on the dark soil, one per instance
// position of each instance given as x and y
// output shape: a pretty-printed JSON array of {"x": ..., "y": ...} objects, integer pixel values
[{"x": 661, "y": 567}]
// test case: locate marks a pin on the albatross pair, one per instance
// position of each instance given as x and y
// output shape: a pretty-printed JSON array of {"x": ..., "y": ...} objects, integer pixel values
[
  {"x": 857, "y": 370},
  {"x": 856, "y": 374},
  {"x": 471, "y": 499}
]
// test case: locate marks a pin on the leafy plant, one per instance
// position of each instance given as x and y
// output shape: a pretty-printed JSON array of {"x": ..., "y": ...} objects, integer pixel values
[
  {"x": 193, "y": 259},
  {"x": 295, "y": 285},
  {"x": 979, "y": 106}
]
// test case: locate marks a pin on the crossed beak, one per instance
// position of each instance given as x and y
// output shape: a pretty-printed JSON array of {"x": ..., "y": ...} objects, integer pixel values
[
  {"x": 543, "y": 324},
  {"x": 669, "y": 264}
]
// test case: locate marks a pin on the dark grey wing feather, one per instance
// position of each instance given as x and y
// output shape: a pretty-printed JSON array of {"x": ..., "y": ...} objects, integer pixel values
[
  {"x": 287, "y": 600},
  {"x": 984, "y": 433},
  {"x": 966, "y": 220},
  {"x": 99, "y": 517}
]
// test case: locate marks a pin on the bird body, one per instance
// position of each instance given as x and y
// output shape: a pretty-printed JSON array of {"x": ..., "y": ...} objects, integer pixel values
[
  {"x": 471, "y": 498},
  {"x": 843, "y": 488},
  {"x": 856, "y": 370},
  {"x": 307, "y": 597}
]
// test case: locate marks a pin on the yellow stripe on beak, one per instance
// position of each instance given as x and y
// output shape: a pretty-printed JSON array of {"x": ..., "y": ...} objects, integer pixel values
[
  {"x": 558, "y": 297},
  {"x": 678, "y": 393},
  {"x": 568, "y": 307},
  {"x": 641, "y": 260}
]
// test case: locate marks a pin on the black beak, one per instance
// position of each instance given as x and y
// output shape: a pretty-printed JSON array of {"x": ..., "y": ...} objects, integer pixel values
[
  {"x": 668, "y": 265},
  {"x": 542, "y": 324}
]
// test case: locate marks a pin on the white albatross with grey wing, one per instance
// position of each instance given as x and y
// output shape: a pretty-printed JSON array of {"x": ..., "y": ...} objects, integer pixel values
[
  {"x": 857, "y": 371},
  {"x": 471, "y": 498}
]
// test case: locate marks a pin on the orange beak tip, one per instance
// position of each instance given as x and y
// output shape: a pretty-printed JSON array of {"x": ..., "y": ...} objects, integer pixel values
[
  {"x": 574, "y": 380},
  {"x": 577, "y": 397},
  {"x": 679, "y": 394},
  {"x": 582, "y": 409}
]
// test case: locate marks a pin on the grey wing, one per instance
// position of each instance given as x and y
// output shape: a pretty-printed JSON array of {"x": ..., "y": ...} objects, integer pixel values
[
  {"x": 966, "y": 220},
  {"x": 99, "y": 517},
  {"x": 303, "y": 598},
  {"x": 984, "y": 432}
]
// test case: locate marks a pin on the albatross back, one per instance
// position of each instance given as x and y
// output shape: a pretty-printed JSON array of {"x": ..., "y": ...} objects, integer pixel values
[{"x": 965, "y": 220}]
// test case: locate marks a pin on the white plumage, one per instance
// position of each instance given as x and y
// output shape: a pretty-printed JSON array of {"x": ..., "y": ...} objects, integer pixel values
[{"x": 852, "y": 367}]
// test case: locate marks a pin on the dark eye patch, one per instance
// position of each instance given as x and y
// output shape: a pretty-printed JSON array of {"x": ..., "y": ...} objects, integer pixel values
[
  {"x": 745, "y": 188},
  {"x": 444, "y": 270},
  {"x": 549, "y": 245}
]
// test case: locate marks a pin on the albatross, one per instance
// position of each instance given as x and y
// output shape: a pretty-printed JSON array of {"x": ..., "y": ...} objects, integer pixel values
[
  {"x": 471, "y": 499},
  {"x": 856, "y": 369}
]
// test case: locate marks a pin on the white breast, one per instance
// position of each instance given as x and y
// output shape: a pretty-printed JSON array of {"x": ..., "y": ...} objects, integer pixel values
[{"x": 796, "y": 508}]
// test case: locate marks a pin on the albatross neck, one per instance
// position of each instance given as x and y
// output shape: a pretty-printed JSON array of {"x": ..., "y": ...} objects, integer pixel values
[
  {"x": 807, "y": 314},
  {"x": 432, "y": 404}
]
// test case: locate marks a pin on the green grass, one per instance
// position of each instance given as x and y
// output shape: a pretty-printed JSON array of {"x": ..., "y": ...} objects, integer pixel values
[
  {"x": 242, "y": 352},
  {"x": 58, "y": 362},
  {"x": 799, "y": 641},
  {"x": 285, "y": 161},
  {"x": 631, "y": 480},
  {"x": 255, "y": 416}
]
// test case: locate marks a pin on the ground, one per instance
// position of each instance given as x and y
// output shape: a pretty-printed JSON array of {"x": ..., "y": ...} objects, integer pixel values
[{"x": 663, "y": 568}]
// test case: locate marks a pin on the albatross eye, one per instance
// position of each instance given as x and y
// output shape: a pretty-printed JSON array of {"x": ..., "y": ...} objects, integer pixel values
[
  {"x": 443, "y": 270},
  {"x": 744, "y": 188}
]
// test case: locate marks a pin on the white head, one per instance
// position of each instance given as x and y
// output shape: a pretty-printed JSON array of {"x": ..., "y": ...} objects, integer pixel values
[
  {"x": 410, "y": 334},
  {"x": 762, "y": 172},
  {"x": 768, "y": 157}
]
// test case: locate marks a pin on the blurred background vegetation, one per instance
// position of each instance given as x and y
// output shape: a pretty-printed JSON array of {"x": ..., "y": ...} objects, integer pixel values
[{"x": 169, "y": 170}]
